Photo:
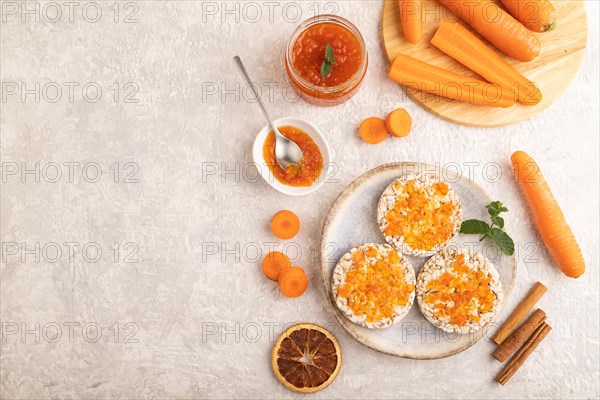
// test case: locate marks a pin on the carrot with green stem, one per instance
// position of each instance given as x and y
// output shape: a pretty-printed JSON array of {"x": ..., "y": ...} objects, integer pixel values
[
  {"x": 411, "y": 12},
  {"x": 459, "y": 43},
  {"x": 548, "y": 216},
  {"x": 497, "y": 26},
  {"x": 419, "y": 75}
]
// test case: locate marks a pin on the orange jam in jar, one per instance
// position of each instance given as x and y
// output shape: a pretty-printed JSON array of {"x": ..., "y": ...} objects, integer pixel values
[
  {"x": 306, "y": 53},
  {"x": 304, "y": 173}
]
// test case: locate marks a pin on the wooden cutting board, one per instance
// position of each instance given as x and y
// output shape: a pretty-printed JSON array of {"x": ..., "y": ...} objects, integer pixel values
[{"x": 561, "y": 53}]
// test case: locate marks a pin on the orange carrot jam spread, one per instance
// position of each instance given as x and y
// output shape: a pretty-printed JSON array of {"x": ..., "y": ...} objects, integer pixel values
[
  {"x": 309, "y": 53},
  {"x": 461, "y": 294},
  {"x": 422, "y": 222},
  {"x": 374, "y": 287},
  {"x": 304, "y": 173}
]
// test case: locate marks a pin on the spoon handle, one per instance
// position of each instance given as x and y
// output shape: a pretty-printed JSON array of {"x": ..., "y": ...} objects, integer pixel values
[{"x": 242, "y": 69}]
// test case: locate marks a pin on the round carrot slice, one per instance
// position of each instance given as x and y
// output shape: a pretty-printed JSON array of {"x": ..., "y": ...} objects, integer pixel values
[
  {"x": 372, "y": 130},
  {"x": 293, "y": 282},
  {"x": 306, "y": 358},
  {"x": 285, "y": 224},
  {"x": 274, "y": 263},
  {"x": 399, "y": 123}
]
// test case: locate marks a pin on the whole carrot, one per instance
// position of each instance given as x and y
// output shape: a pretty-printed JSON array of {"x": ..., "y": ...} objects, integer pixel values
[
  {"x": 537, "y": 15},
  {"x": 416, "y": 74},
  {"x": 500, "y": 29},
  {"x": 411, "y": 19},
  {"x": 459, "y": 43},
  {"x": 548, "y": 217}
]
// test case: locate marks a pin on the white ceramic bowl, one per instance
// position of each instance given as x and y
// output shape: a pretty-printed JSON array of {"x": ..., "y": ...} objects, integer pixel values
[{"x": 317, "y": 137}]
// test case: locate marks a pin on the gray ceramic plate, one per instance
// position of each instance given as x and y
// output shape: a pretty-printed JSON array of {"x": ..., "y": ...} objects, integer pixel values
[{"x": 352, "y": 220}]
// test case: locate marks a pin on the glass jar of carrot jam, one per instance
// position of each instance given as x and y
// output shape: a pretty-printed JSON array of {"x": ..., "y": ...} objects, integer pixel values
[{"x": 306, "y": 52}]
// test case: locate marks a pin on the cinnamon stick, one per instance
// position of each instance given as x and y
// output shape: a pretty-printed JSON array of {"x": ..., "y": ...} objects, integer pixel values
[
  {"x": 536, "y": 292},
  {"x": 512, "y": 343},
  {"x": 517, "y": 361}
]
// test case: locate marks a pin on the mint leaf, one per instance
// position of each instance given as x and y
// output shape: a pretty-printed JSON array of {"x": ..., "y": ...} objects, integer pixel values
[
  {"x": 494, "y": 231},
  {"x": 474, "y": 226},
  {"x": 329, "y": 54},
  {"x": 326, "y": 65},
  {"x": 503, "y": 241},
  {"x": 325, "y": 69},
  {"x": 494, "y": 208},
  {"x": 498, "y": 221}
]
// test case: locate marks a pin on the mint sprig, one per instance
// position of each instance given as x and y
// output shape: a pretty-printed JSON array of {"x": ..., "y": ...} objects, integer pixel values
[
  {"x": 328, "y": 62},
  {"x": 495, "y": 230}
]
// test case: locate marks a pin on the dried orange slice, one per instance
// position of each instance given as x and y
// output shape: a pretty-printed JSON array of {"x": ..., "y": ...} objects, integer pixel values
[{"x": 306, "y": 358}]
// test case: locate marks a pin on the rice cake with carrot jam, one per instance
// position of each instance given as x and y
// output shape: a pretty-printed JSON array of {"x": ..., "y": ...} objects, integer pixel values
[
  {"x": 459, "y": 291},
  {"x": 374, "y": 285},
  {"x": 419, "y": 215}
]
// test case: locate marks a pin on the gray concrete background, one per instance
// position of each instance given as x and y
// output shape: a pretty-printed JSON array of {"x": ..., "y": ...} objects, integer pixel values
[{"x": 132, "y": 223}]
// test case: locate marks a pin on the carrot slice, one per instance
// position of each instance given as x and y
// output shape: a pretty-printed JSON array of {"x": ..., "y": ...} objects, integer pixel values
[
  {"x": 372, "y": 130},
  {"x": 497, "y": 26},
  {"x": 548, "y": 217},
  {"x": 293, "y": 282},
  {"x": 459, "y": 43},
  {"x": 419, "y": 75},
  {"x": 398, "y": 122},
  {"x": 274, "y": 263},
  {"x": 411, "y": 20},
  {"x": 537, "y": 15},
  {"x": 285, "y": 224}
]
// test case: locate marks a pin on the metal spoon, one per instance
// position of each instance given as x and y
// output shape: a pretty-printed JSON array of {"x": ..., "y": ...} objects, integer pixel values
[{"x": 286, "y": 151}]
